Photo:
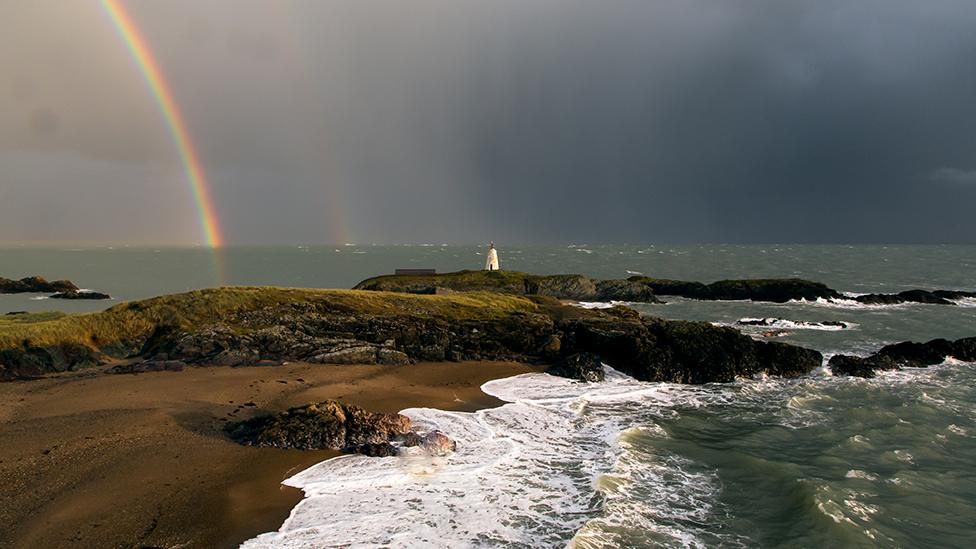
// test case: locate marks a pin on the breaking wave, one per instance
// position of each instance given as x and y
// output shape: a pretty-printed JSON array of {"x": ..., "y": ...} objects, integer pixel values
[
  {"x": 784, "y": 324},
  {"x": 626, "y": 463}
]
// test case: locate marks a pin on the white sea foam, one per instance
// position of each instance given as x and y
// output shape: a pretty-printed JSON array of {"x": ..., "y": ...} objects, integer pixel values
[
  {"x": 599, "y": 304},
  {"x": 530, "y": 473},
  {"x": 848, "y": 304},
  {"x": 785, "y": 324}
]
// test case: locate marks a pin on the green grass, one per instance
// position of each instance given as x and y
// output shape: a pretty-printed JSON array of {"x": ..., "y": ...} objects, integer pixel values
[
  {"x": 192, "y": 310},
  {"x": 460, "y": 279}
]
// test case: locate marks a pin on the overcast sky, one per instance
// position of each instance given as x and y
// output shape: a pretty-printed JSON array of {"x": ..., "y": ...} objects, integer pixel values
[{"x": 528, "y": 121}]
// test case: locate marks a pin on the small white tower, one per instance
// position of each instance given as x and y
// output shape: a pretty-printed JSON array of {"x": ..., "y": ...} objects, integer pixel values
[{"x": 492, "y": 263}]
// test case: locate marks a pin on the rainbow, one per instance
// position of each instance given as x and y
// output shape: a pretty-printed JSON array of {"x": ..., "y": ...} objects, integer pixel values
[{"x": 151, "y": 72}]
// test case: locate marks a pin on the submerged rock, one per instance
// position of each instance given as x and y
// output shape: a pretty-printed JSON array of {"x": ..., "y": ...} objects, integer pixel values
[
  {"x": 78, "y": 294},
  {"x": 325, "y": 425},
  {"x": 580, "y": 366},
  {"x": 436, "y": 443}
]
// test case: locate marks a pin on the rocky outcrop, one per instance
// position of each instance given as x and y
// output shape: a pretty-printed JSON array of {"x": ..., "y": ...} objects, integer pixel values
[
  {"x": 80, "y": 294},
  {"x": 653, "y": 349},
  {"x": 35, "y": 284},
  {"x": 343, "y": 327},
  {"x": 937, "y": 297},
  {"x": 325, "y": 425},
  {"x": 907, "y": 354},
  {"x": 30, "y": 361},
  {"x": 776, "y": 290},
  {"x": 643, "y": 289},
  {"x": 579, "y": 366},
  {"x": 574, "y": 287}
]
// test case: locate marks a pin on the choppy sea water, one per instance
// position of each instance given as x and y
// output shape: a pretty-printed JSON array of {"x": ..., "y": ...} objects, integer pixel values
[{"x": 813, "y": 462}]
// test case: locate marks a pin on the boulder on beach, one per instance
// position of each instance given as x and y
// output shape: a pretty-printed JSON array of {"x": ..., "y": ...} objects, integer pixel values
[{"x": 324, "y": 425}]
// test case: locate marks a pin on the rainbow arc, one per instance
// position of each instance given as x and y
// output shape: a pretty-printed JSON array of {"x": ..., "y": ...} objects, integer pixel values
[{"x": 175, "y": 121}]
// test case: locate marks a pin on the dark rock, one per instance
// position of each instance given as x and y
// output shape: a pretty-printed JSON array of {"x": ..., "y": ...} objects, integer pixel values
[
  {"x": 625, "y": 290},
  {"x": 76, "y": 294},
  {"x": 378, "y": 449},
  {"x": 777, "y": 290},
  {"x": 326, "y": 425},
  {"x": 909, "y": 296},
  {"x": 653, "y": 349},
  {"x": 846, "y": 365},
  {"x": 964, "y": 349},
  {"x": 906, "y": 354},
  {"x": 35, "y": 284},
  {"x": 780, "y": 359},
  {"x": 580, "y": 366},
  {"x": 15, "y": 313},
  {"x": 411, "y": 439},
  {"x": 917, "y": 355}
]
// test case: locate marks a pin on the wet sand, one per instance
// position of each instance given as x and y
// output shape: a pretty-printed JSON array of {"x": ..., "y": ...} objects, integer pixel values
[{"x": 140, "y": 460}]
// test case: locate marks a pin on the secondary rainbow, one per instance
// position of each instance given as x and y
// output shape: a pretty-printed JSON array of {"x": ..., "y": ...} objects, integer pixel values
[{"x": 174, "y": 119}]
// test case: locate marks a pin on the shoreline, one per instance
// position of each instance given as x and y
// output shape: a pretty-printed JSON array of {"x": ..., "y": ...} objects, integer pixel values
[{"x": 119, "y": 460}]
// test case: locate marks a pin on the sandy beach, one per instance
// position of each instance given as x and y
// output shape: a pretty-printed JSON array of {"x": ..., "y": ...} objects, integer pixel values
[{"x": 97, "y": 460}]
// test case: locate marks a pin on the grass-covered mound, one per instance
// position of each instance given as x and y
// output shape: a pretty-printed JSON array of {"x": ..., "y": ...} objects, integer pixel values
[
  {"x": 250, "y": 326},
  {"x": 565, "y": 286},
  {"x": 636, "y": 288},
  {"x": 43, "y": 342}
]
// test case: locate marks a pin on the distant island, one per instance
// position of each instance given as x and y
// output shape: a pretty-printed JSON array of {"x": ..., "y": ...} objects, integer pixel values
[
  {"x": 643, "y": 289},
  {"x": 59, "y": 289}
]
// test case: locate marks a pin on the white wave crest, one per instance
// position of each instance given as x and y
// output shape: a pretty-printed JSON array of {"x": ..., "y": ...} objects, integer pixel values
[
  {"x": 785, "y": 324},
  {"x": 530, "y": 473}
]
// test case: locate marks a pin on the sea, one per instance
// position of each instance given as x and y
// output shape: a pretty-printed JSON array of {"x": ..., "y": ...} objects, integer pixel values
[{"x": 819, "y": 461}]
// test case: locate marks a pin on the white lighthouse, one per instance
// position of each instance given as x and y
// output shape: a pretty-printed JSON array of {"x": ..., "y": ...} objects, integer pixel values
[{"x": 492, "y": 263}]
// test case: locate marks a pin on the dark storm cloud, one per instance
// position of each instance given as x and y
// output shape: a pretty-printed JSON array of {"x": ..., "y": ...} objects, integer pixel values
[{"x": 519, "y": 121}]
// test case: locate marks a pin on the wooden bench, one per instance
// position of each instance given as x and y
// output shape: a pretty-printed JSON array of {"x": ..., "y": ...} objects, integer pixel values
[{"x": 402, "y": 272}]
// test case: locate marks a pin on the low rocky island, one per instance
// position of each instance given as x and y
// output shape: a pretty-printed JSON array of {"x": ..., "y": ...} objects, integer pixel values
[
  {"x": 642, "y": 289},
  {"x": 35, "y": 284},
  {"x": 906, "y": 354}
]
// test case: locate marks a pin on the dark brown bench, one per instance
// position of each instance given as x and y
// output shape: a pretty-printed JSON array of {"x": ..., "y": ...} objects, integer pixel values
[{"x": 401, "y": 272}]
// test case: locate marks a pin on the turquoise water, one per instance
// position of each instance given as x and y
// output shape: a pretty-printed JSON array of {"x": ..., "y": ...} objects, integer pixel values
[{"x": 814, "y": 462}]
